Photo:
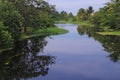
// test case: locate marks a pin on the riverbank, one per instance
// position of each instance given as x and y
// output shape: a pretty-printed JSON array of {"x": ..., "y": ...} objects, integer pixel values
[
  {"x": 87, "y": 23},
  {"x": 81, "y": 23},
  {"x": 45, "y": 32},
  {"x": 117, "y": 33}
]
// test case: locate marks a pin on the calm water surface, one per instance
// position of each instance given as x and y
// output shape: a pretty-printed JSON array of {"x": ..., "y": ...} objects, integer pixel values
[{"x": 71, "y": 56}]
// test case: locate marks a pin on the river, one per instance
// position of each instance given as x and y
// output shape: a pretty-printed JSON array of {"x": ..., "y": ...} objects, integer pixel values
[{"x": 71, "y": 56}]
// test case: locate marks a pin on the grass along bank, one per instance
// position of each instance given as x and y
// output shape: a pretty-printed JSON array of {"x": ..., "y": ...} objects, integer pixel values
[
  {"x": 81, "y": 23},
  {"x": 46, "y": 32},
  {"x": 117, "y": 33}
]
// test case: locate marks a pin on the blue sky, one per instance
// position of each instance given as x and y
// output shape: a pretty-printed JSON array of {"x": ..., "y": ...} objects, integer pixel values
[{"x": 74, "y": 5}]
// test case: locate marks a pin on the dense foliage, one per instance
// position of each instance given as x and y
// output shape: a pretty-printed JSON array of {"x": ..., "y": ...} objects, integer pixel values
[
  {"x": 22, "y": 16},
  {"x": 108, "y": 17},
  {"x": 64, "y": 16},
  {"x": 5, "y": 38},
  {"x": 84, "y": 14}
]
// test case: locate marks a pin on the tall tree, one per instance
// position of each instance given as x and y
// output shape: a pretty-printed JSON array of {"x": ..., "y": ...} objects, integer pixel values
[
  {"x": 90, "y": 10},
  {"x": 81, "y": 15},
  {"x": 64, "y": 15},
  {"x": 71, "y": 17}
]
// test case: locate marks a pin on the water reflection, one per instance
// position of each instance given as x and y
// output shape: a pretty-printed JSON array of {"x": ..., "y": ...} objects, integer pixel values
[
  {"x": 23, "y": 62},
  {"x": 110, "y": 43}
]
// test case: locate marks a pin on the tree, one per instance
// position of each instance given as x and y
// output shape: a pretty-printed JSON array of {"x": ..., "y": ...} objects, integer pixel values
[
  {"x": 71, "y": 17},
  {"x": 11, "y": 19},
  {"x": 21, "y": 16},
  {"x": 5, "y": 37},
  {"x": 30, "y": 11},
  {"x": 117, "y": 13},
  {"x": 85, "y": 14},
  {"x": 64, "y": 15},
  {"x": 81, "y": 15},
  {"x": 90, "y": 10}
]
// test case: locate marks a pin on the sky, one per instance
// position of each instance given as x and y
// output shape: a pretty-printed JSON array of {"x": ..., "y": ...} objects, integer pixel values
[{"x": 74, "y": 5}]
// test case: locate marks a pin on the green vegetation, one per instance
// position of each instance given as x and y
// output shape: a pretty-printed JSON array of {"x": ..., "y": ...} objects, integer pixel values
[
  {"x": 45, "y": 32},
  {"x": 81, "y": 23},
  {"x": 64, "y": 16},
  {"x": 84, "y": 14},
  {"x": 27, "y": 18},
  {"x": 110, "y": 33},
  {"x": 51, "y": 31},
  {"x": 82, "y": 17},
  {"x": 107, "y": 19},
  {"x": 19, "y": 17},
  {"x": 5, "y": 38}
]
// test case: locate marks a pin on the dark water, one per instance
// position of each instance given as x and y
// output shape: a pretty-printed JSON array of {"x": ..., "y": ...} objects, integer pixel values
[{"x": 77, "y": 55}]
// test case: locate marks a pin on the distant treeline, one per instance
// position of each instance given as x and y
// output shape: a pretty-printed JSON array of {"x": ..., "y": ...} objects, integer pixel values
[
  {"x": 106, "y": 19},
  {"x": 83, "y": 14}
]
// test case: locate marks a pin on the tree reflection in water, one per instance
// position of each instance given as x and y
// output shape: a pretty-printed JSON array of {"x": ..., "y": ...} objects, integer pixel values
[
  {"x": 23, "y": 62},
  {"x": 110, "y": 43}
]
